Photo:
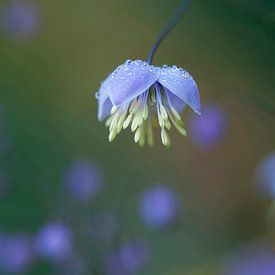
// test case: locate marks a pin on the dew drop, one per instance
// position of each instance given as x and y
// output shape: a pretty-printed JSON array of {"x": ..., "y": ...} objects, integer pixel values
[{"x": 128, "y": 61}]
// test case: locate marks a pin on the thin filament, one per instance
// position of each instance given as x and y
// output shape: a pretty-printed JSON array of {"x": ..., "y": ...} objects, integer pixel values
[{"x": 173, "y": 21}]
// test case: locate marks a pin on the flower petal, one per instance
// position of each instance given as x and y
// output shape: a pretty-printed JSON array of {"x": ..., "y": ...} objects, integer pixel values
[
  {"x": 104, "y": 102},
  {"x": 176, "y": 102},
  {"x": 181, "y": 84},
  {"x": 130, "y": 80}
]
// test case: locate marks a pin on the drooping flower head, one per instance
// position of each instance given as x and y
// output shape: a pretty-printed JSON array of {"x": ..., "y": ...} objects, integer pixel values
[{"x": 139, "y": 95}]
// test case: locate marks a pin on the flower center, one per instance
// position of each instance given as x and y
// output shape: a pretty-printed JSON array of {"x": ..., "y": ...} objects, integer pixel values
[{"x": 142, "y": 113}]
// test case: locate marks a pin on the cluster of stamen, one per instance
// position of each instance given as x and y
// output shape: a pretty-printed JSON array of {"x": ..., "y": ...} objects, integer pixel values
[{"x": 140, "y": 114}]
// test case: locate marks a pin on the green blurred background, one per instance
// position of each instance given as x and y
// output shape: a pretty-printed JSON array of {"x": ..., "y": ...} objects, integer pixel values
[{"x": 47, "y": 86}]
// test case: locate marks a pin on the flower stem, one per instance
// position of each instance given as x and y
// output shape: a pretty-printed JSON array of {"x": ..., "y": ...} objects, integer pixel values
[{"x": 173, "y": 21}]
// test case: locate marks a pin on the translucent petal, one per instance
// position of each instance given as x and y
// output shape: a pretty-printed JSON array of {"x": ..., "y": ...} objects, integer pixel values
[
  {"x": 104, "y": 102},
  {"x": 130, "y": 80},
  {"x": 181, "y": 84},
  {"x": 176, "y": 102}
]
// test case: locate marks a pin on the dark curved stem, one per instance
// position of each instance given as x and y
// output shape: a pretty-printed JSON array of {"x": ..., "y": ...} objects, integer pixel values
[{"x": 173, "y": 21}]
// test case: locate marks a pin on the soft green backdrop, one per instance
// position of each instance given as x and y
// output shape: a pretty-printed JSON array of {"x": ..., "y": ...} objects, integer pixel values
[{"x": 47, "y": 87}]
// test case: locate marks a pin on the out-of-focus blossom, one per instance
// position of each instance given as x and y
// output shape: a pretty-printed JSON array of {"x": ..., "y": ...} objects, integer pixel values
[
  {"x": 103, "y": 227},
  {"x": 209, "y": 129},
  {"x": 159, "y": 206},
  {"x": 138, "y": 93},
  {"x": 83, "y": 180},
  {"x": 253, "y": 260},
  {"x": 20, "y": 19},
  {"x": 54, "y": 242},
  {"x": 127, "y": 259},
  {"x": 265, "y": 175},
  {"x": 15, "y": 253}
]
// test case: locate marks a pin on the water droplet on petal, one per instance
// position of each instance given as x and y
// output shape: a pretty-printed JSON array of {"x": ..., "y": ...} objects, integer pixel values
[{"x": 128, "y": 61}]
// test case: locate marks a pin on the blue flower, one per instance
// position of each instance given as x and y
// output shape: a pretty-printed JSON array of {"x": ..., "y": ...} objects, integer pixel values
[
  {"x": 209, "y": 130},
  {"x": 129, "y": 258},
  {"x": 15, "y": 253},
  {"x": 20, "y": 19},
  {"x": 265, "y": 175},
  {"x": 140, "y": 95},
  {"x": 54, "y": 242},
  {"x": 83, "y": 180},
  {"x": 159, "y": 206},
  {"x": 255, "y": 258}
]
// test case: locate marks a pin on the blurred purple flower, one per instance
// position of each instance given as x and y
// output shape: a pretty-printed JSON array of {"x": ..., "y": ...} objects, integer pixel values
[
  {"x": 127, "y": 259},
  {"x": 15, "y": 253},
  {"x": 265, "y": 175},
  {"x": 255, "y": 260},
  {"x": 20, "y": 19},
  {"x": 159, "y": 206},
  {"x": 136, "y": 91},
  {"x": 54, "y": 242},
  {"x": 83, "y": 180},
  {"x": 209, "y": 129}
]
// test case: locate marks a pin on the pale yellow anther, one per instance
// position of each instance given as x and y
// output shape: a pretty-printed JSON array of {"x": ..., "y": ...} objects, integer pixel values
[
  {"x": 108, "y": 121},
  {"x": 181, "y": 129},
  {"x": 132, "y": 108},
  {"x": 175, "y": 113},
  {"x": 178, "y": 124},
  {"x": 141, "y": 140},
  {"x": 164, "y": 137},
  {"x": 137, "y": 114},
  {"x": 163, "y": 112},
  {"x": 135, "y": 105},
  {"x": 127, "y": 121},
  {"x": 112, "y": 136},
  {"x": 120, "y": 123},
  {"x": 137, "y": 135},
  {"x": 114, "y": 121},
  {"x": 114, "y": 109},
  {"x": 167, "y": 124},
  {"x": 145, "y": 112},
  {"x": 135, "y": 123},
  {"x": 161, "y": 122}
]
